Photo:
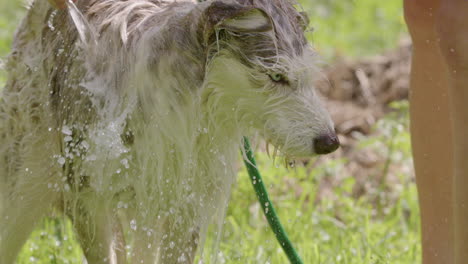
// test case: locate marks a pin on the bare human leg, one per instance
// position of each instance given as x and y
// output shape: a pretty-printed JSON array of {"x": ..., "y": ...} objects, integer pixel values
[
  {"x": 431, "y": 132},
  {"x": 452, "y": 29}
]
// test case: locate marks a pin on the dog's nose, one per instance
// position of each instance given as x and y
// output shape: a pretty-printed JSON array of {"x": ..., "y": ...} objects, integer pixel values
[{"x": 326, "y": 143}]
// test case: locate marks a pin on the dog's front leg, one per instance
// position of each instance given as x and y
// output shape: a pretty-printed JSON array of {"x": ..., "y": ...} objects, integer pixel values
[
  {"x": 100, "y": 234},
  {"x": 19, "y": 214},
  {"x": 167, "y": 243},
  {"x": 181, "y": 244}
]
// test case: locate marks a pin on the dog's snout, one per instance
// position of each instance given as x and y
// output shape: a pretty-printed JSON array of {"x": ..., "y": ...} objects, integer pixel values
[{"x": 326, "y": 143}]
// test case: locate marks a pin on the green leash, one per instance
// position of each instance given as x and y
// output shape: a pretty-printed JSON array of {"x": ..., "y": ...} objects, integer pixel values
[{"x": 267, "y": 206}]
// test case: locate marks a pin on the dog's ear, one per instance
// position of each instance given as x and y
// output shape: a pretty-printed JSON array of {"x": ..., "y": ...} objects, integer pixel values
[
  {"x": 235, "y": 18},
  {"x": 246, "y": 20}
]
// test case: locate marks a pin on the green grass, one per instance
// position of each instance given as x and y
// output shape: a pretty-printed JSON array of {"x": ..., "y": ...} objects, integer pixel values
[
  {"x": 52, "y": 242},
  {"x": 381, "y": 226},
  {"x": 10, "y": 14},
  {"x": 355, "y": 27}
]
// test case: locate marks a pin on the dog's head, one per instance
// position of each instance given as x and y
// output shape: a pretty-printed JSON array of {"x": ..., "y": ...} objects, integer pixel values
[{"x": 261, "y": 71}]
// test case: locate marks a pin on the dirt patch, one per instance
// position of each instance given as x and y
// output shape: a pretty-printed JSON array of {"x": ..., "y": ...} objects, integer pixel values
[{"x": 358, "y": 94}]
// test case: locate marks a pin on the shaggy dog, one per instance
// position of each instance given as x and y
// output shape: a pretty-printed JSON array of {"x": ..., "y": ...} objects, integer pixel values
[{"x": 128, "y": 115}]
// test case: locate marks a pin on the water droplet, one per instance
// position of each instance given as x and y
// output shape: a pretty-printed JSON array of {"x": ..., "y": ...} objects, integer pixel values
[
  {"x": 66, "y": 130},
  {"x": 61, "y": 160},
  {"x": 182, "y": 258},
  {"x": 85, "y": 144},
  {"x": 133, "y": 224},
  {"x": 125, "y": 163}
]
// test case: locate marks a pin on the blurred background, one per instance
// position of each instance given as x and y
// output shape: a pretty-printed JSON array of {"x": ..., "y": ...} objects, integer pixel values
[{"x": 358, "y": 205}]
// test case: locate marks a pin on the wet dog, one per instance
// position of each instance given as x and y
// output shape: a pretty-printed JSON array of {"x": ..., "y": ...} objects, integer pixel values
[{"x": 128, "y": 115}]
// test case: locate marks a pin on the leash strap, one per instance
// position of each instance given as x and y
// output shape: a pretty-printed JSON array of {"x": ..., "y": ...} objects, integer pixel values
[{"x": 267, "y": 206}]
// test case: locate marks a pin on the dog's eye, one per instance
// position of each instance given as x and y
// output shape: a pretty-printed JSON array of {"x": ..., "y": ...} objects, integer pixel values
[{"x": 278, "y": 77}]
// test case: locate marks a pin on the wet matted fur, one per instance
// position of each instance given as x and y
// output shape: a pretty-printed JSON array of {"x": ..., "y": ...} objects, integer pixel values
[{"x": 137, "y": 122}]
